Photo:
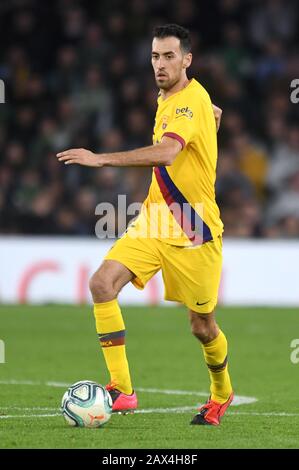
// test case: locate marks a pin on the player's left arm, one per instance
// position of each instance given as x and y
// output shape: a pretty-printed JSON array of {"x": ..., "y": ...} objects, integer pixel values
[
  {"x": 162, "y": 154},
  {"x": 218, "y": 114}
]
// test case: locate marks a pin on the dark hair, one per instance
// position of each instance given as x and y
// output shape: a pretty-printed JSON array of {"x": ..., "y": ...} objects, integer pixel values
[{"x": 175, "y": 30}]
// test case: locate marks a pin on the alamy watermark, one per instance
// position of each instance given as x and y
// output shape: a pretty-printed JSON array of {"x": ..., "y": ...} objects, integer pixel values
[
  {"x": 2, "y": 92},
  {"x": 295, "y": 353},
  {"x": 150, "y": 220},
  {"x": 294, "y": 96},
  {"x": 2, "y": 352}
]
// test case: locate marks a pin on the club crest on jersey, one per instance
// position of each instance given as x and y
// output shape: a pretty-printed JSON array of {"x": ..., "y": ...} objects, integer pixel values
[
  {"x": 164, "y": 121},
  {"x": 184, "y": 112}
]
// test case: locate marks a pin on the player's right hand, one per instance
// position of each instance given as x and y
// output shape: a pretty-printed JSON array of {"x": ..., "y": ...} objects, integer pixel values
[{"x": 80, "y": 157}]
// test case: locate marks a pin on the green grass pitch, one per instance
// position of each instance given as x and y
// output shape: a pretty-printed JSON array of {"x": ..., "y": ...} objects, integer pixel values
[{"x": 48, "y": 346}]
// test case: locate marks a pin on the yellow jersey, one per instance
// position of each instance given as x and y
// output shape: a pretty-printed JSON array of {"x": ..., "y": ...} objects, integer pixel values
[{"x": 180, "y": 208}]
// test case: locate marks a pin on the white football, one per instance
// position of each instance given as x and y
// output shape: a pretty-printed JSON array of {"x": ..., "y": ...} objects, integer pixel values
[{"x": 86, "y": 404}]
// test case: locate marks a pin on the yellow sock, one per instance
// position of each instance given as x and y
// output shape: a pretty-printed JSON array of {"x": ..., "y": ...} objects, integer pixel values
[
  {"x": 111, "y": 331},
  {"x": 215, "y": 354}
]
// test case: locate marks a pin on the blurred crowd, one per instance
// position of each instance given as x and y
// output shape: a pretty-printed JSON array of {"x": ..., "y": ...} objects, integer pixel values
[{"x": 78, "y": 74}]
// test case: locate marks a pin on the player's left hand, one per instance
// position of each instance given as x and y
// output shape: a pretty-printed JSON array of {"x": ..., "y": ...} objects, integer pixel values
[
  {"x": 80, "y": 157},
  {"x": 217, "y": 113}
]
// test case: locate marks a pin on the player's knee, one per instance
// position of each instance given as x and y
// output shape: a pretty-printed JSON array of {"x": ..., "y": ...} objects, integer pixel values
[
  {"x": 203, "y": 329},
  {"x": 101, "y": 288},
  {"x": 202, "y": 334}
]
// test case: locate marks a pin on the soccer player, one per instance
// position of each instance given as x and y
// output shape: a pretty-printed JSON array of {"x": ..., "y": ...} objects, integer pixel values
[{"x": 187, "y": 240}]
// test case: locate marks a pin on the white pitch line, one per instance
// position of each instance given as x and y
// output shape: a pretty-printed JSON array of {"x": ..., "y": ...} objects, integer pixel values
[
  {"x": 35, "y": 383},
  {"x": 57, "y": 384},
  {"x": 19, "y": 382},
  {"x": 151, "y": 410},
  {"x": 171, "y": 392},
  {"x": 183, "y": 409},
  {"x": 29, "y": 416},
  {"x": 238, "y": 399},
  {"x": 33, "y": 408}
]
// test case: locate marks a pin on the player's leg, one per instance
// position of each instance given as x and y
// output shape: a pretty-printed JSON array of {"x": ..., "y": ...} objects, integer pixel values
[
  {"x": 214, "y": 346},
  {"x": 192, "y": 277},
  {"x": 130, "y": 259},
  {"x": 105, "y": 286}
]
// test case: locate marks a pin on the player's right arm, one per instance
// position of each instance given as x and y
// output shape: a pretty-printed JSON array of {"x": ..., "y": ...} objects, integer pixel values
[{"x": 162, "y": 154}]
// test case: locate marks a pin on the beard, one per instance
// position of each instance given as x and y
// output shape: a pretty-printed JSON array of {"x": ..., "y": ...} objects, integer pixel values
[{"x": 166, "y": 83}]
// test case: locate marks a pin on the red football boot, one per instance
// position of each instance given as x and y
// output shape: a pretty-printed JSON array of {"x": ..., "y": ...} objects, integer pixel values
[
  {"x": 121, "y": 402},
  {"x": 212, "y": 412}
]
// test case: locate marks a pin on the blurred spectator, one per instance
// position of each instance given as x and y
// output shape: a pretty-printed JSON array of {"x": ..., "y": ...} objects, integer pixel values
[
  {"x": 252, "y": 162},
  {"x": 285, "y": 160},
  {"x": 272, "y": 18},
  {"x": 286, "y": 203}
]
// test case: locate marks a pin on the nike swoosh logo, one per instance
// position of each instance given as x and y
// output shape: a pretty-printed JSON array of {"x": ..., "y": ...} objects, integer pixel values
[{"x": 203, "y": 303}]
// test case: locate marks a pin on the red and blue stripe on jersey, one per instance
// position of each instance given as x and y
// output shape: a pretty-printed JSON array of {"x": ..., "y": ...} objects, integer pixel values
[{"x": 189, "y": 220}]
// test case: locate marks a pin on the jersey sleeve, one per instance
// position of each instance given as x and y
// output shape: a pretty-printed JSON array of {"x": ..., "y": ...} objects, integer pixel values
[{"x": 183, "y": 125}]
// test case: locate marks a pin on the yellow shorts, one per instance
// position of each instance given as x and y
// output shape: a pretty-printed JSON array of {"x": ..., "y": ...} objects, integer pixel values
[{"x": 191, "y": 275}]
